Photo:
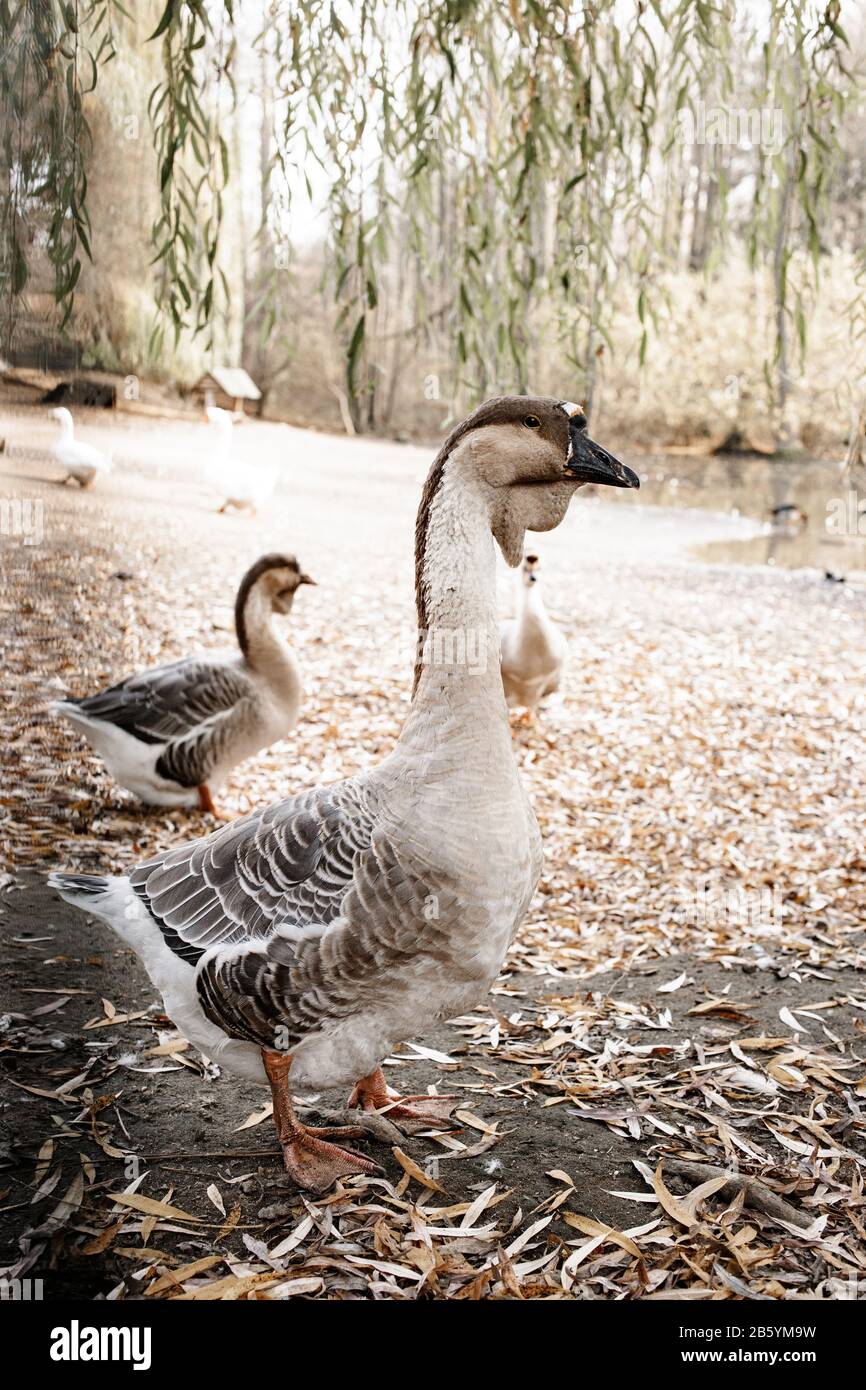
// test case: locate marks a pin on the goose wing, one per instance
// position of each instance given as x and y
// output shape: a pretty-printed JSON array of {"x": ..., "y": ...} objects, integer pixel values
[
  {"x": 75, "y": 454},
  {"x": 308, "y": 902},
  {"x": 170, "y": 702},
  {"x": 289, "y": 864}
]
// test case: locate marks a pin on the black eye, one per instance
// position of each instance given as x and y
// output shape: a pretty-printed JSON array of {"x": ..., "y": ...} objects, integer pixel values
[{"x": 532, "y": 422}]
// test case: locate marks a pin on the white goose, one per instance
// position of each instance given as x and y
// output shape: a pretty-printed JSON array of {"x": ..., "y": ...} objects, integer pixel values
[
  {"x": 82, "y": 462},
  {"x": 533, "y": 648},
  {"x": 172, "y": 734},
  {"x": 304, "y": 942},
  {"x": 242, "y": 486}
]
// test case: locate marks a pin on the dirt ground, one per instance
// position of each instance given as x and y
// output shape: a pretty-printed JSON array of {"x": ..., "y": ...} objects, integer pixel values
[{"x": 687, "y": 990}]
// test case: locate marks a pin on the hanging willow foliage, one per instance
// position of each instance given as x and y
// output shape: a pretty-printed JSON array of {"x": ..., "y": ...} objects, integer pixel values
[
  {"x": 49, "y": 63},
  {"x": 187, "y": 109},
  {"x": 517, "y": 148},
  {"x": 501, "y": 169}
]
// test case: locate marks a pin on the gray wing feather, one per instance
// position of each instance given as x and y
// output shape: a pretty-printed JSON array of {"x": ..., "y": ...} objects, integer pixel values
[
  {"x": 170, "y": 702},
  {"x": 276, "y": 991},
  {"x": 311, "y": 906},
  {"x": 290, "y": 864},
  {"x": 190, "y": 761}
]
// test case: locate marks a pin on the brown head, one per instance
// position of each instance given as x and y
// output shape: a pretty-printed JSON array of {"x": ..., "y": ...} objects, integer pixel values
[
  {"x": 529, "y": 570},
  {"x": 273, "y": 578},
  {"x": 528, "y": 455}
]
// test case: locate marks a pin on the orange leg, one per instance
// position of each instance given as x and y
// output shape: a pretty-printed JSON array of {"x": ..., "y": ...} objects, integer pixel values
[
  {"x": 313, "y": 1163},
  {"x": 206, "y": 803},
  {"x": 414, "y": 1112},
  {"x": 522, "y": 719}
]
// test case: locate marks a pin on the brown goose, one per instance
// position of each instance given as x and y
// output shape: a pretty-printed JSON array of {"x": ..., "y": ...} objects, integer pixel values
[
  {"x": 304, "y": 942},
  {"x": 172, "y": 734}
]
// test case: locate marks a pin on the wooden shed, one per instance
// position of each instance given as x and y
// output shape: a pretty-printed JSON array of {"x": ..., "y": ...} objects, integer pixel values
[{"x": 231, "y": 388}]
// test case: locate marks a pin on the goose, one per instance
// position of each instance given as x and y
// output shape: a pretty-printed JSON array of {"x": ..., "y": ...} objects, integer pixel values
[
  {"x": 83, "y": 463},
  {"x": 532, "y": 647},
  {"x": 302, "y": 943},
  {"x": 240, "y": 485},
  {"x": 171, "y": 734},
  {"x": 788, "y": 516}
]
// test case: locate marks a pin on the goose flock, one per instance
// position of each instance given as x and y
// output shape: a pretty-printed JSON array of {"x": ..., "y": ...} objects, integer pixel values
[
  {"x": 299, "y": 945},
  {"x": 238, "y": 484}
]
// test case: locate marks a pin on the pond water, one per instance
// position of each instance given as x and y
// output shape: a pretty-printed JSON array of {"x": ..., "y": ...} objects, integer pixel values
[{"x": 823, "y": 532}]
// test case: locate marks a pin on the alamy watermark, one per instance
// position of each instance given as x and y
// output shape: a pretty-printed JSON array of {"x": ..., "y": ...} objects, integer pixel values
[
  {"x": 21, "y": 1291},
  {"x": 732, "y": 905},
  {"x": 77, "y": 1343},
  {"x": 747, "y": 128},
  {"x": 466, "y": 647},
  {"x": 453, "y": 646},
  {"x": 24, "y": 518},
  {"x": 846, "y": 516}
]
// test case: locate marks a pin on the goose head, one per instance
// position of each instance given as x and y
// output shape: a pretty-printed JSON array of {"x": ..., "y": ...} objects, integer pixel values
[
  {"x": 529, "y": 572},
  {"x": 284, "y": 584},
  {"x": 63, "y": 415},
  {"x": 280, "y": 578},
  {"x": 529, "y": 455},
  {"x": 269, "y": 586}
]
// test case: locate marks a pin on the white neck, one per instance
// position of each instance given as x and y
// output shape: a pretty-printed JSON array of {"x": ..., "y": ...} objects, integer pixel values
[
  {"x": 529, "y": 600},
  {"x": 459, "y": 694},
  {"x": 266, "y": 652},
  {"x": 65, "y": 422}
]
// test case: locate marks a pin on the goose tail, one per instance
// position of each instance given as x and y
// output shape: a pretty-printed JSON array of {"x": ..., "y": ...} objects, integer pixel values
[
  {"x": 62, "y": 706},
  {"x": 71, "y": 709},
  {"x": 81, "y": 890}
]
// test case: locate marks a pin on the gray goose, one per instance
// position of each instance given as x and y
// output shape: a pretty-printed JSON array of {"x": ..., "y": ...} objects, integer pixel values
[
  {"x": 172, "y": 734},
  {"x": 302, "y": 943}
]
